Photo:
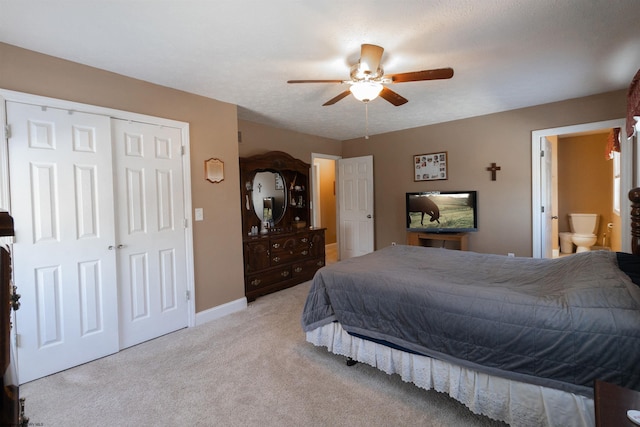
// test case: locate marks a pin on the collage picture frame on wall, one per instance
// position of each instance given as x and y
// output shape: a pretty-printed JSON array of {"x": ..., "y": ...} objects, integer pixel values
[{"x": 430, "y": 167}]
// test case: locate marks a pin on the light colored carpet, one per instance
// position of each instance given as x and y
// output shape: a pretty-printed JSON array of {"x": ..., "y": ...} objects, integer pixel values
[{"x": 251, "y": 368}]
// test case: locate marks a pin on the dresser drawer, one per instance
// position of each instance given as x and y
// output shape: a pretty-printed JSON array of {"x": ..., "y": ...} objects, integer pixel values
[
  {"x": 288, "y": 249},
  {"x": 316, "y": 243},
  {"x": 282, "y": 257},
  {"x": 286, "y": 243},
  {"x": 256, "y": 255},
  {"x": 307, "y": 268},
  {"x": 269, "y": 277}
]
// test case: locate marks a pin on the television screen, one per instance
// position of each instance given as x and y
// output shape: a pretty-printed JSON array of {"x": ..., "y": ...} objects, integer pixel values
[{"x": 442, "y": 211}]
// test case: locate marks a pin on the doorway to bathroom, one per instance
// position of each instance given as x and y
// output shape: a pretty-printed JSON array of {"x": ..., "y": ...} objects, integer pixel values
[
  {"x": 323, "y": 181},
  {"x": 570, "y": 174}
]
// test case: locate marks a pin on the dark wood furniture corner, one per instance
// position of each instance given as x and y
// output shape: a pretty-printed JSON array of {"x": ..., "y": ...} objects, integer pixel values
[
  {"x": 612, "y": 403},
  {"x": 11, "y": 406},
  {"x": 634, "y": 196},
  {"x": 289, "y": 252}
]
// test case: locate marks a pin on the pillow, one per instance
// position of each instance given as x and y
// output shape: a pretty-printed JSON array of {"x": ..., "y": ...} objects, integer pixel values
[{"x": 630, "y": 265}]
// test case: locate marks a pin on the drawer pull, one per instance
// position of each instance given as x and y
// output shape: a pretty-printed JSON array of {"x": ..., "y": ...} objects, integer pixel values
[
  {"x": 276, "y": 245},
  {"x": 284, "y": 273},
  {"x": 304, "y": 240},
  {"x": 320, "y": 263},
  {"x": 276, "y": 259},
  {"x": 297, "y": 269},
  {"x": 256, "y": 282},
  {"x": 305, "y": 252}
]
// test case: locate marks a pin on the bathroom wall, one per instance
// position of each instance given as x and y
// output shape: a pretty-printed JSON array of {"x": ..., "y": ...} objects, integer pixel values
[
  {"x": 328, "y": 196},
  {"x": 585, "y": 181}
]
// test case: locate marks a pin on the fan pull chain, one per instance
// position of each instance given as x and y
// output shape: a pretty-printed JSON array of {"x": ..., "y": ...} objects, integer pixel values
[{"x": 366, "y": 119}]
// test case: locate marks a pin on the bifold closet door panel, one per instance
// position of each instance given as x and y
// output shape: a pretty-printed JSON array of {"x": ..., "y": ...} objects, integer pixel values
[
  {"x": 151, "y": 230},
  {"x": 60, "y": 167}
]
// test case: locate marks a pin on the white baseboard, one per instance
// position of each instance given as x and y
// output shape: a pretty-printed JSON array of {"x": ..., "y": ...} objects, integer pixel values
[{"x": 220, "y": 311}]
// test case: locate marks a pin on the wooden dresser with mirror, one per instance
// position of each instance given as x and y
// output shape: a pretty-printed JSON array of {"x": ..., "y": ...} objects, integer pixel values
[{"x": 280, "y": 248}]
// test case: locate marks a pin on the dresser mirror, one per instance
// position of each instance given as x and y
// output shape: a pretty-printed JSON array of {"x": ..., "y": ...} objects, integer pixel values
[
  {"x": 274, "y": 189},
  {"x": 268, "y": 196}
]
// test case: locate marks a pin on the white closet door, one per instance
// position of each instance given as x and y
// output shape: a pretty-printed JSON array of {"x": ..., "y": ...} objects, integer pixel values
[
  {"x": 62, "y": 204},
  {"x": 150, "y": 231}
]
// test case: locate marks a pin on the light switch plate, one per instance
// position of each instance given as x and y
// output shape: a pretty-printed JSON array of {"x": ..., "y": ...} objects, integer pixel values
[{"x": 199, "y": 214}]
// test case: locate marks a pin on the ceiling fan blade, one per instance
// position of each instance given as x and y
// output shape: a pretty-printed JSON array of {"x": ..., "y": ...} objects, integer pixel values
[
  {"x": 337, "y": 98},
  {"x": 416, "y": 76},
  {"x": 315, "y": 81},
  {"x": 393, "y": 97},
  {"x": 370, "y": 56}
]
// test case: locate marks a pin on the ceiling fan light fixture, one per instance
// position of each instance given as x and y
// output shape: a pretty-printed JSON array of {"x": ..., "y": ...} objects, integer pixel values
[
  {"x": 368, "y": 78},
  {"x": 360, "y": 72},
  {"x": 366, "y": 91}
]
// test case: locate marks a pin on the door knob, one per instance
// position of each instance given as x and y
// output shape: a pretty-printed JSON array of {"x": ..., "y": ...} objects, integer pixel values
[{"x": 369, "y": 216}]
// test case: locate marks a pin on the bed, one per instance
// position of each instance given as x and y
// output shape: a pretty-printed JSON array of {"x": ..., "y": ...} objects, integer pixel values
[{"x": 520, "y": 340}]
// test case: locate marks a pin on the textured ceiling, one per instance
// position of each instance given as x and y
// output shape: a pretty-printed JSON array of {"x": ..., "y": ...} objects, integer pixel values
[{"x": 506, "y": 53}]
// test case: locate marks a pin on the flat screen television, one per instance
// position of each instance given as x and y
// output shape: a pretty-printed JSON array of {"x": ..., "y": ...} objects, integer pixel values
[{"x": 442, "y": 211}]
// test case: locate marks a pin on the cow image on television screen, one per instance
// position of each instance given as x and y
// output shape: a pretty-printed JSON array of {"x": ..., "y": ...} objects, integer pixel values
[
  {"x": 424, "y": 205},
  {"x": 448, "y": 211}
]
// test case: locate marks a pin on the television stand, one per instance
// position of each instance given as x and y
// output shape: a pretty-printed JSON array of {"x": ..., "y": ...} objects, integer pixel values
[{"x": 419, "y": 238}]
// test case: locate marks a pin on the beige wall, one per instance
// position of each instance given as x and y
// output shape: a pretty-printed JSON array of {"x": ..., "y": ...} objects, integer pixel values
[
  {"x": 259, "y": 139},
  {"x": 213, "y": 133},
  {"x": 473, "y": 144}
]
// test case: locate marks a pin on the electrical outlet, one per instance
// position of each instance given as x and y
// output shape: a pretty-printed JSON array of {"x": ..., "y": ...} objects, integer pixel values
[
  {"x": 199, "y": 214},
  {"x": 511, "y": 254}
]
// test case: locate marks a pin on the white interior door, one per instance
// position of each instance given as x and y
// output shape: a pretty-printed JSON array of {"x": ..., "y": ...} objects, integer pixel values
[
  {"x": 355, "y": 198},
  {"x": 151, "y": 231},
  {"x": 60, "y": 167},
  {"x": 546, "y": 196}
]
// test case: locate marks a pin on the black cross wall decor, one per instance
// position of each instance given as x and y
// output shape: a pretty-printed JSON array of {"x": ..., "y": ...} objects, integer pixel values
[{"x": 493, "y": 169}]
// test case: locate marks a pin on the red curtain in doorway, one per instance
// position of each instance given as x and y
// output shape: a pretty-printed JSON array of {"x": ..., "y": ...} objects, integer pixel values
[{"x": 613, "y": 143}]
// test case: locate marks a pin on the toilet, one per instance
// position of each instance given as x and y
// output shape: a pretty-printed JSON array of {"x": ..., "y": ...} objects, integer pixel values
[
  {"x": 566, "y": 245},
  {"x": 583, "y": 227}
]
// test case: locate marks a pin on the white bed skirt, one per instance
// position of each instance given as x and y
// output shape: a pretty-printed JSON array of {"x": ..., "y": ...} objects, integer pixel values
[{"x": 516, "y": 403}]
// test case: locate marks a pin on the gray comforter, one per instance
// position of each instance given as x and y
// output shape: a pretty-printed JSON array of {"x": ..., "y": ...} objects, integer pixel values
[{"x": 559, "y": 323}]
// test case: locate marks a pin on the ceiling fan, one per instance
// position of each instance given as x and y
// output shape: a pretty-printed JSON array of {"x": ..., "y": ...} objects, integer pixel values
[{"x": 368, "y": 79}]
